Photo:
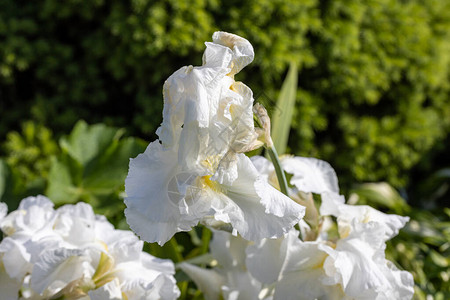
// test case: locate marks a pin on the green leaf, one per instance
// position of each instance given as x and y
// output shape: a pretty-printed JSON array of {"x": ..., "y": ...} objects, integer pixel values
[
  {"x": 380, "y": 194},
  {"x": 282, "y": 118},
  {"x": 60, "y": 184},
  {"x": 92, "y": 167},
  {"x": 86, "y": 142},
  {"x": 5, "y": 181}
]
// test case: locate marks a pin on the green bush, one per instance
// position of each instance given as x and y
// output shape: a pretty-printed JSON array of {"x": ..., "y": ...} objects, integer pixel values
[
  {"x": 90, "y": 165},
  {"x": 373, "y": 75}
]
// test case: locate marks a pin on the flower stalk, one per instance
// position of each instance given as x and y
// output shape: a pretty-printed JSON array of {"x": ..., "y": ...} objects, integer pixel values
[
  {"x": 278, "y": 169},
  {"x": 263, "y": 120}
]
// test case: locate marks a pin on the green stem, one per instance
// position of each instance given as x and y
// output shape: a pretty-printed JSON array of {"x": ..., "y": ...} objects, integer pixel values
[
  {"x": 278, "y": 170},
  {"x": 206, "y": 237},
  {"x": 174, "y": 251}
]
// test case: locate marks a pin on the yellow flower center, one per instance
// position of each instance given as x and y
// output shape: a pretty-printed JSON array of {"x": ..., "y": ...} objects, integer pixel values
[{"x": 207, "y": 182}]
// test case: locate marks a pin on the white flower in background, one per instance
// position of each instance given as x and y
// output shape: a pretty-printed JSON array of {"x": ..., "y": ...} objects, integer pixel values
[
  {"x": 353, "y": 268},
  {"x": 32, "y": 219},
  {"x": 309, "y": 175},
  {"x": 9, "y": 286},
  {"x": 292, "y": 268},
  {"x": 3, "y": 210},
  {"x": 312, "y": 175},
  {"x": 229, "y": 279},
  {"x": 196, "y": 171},
  {"x": 71, "y": 252},
  {"x": 359, "y": 265},
  {"x": 347, "y": 215}
]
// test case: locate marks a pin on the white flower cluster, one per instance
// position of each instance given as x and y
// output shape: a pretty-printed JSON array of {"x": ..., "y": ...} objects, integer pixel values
[
  {"x": 71, "y": 253},
  {"x": 197, "y": 170},
  {"x": 351, "y": 266}
]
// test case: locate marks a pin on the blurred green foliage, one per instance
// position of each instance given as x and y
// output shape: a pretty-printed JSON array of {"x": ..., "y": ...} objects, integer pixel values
[
  {"x": 92, "y": 168},
  {"x": 373, "y": 75},
  {"x": 28, "y": 152},
  {"x": 90, "y": 165}
]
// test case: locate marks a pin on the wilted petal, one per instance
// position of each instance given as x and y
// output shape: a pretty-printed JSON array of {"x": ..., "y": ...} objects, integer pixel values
[{"x": 241, "y": 48}]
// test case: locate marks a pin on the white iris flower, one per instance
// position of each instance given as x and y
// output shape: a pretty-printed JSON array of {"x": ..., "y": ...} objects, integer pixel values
[
  {"x": 229, "y": 279},
  {"x": 196, "y": 171},
  {"x": 73, "y": 253}
]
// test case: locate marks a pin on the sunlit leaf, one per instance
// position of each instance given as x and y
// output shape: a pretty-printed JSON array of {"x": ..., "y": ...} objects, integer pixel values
[{"x": 282, "y": 116}]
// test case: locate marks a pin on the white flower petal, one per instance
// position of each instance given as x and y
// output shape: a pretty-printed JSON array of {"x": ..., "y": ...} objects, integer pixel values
[
  {"x": 254, "y": 208},
  {"x": 242, "y": 50},
  {"x": 228, "y": 250},
  {"x": 3, "y": 211},
  {"x": 33, "y": 215},
  {"x": 306, "y": 285},
  {"x": 15, "y": 258},
  {"x": 153, "y": 195},
  {"x": 56, "y": 268},
  {"x": 76, "y": 224},
  {"x": 292, "y": 266},
  {"x": 241, "y": 285},
  {"x": 9, "y": 287},
  {"x": 359, "y": 265},
  {"x": 311, "y": 174},
  {"x": 333, "y": 204},
  {"x": 402, "y": 283},
  {"x": 265, "y": 260},
  {"x": 109, "y": 291},
  {"x": 263, "y": 166},
  {"x": 208, "y": 281},
  {"x": 40, "y": 201}
]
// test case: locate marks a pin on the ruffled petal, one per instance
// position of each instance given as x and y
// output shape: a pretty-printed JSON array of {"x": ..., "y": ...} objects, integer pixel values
[
  {"x": 15, "y": 258},
  {"x": 253, "y": 207},
  {"x": 358, "y": 263},
  {"x": 311, "y": 174},
  {"x": 293, "y": 267},
  {"x": 333, "y": 204},
  {"x": 57, "y": 268},
  {"x": 155, "y": 190},
  {"x": 33, "y": 215},
  {"x": 109, "y": 291},
  {"x": 242, "y": 50}
]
